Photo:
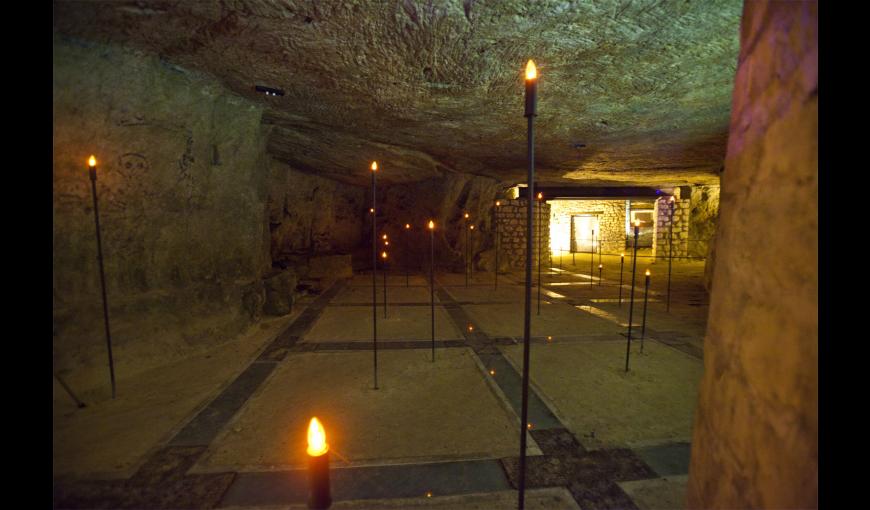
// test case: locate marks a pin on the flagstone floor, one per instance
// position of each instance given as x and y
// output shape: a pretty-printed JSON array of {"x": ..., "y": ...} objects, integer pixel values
[{"x": 227, "y": 429}]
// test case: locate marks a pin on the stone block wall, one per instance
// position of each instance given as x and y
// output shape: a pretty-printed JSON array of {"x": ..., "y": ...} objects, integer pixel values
[
  {"x": 511, "y": 217},
  {"x": 680, "y": 234},
  {"x": 611, "y": 223}
]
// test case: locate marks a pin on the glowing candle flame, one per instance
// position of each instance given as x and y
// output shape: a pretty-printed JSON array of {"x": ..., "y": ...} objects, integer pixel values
[
  {"x": 371, "y": 209},
  {"x": 466, "y": 215},
  {"x": 316, "y": 438},
  {"x": 622, "y": 255},
  {"x": 407, "y": 226},
  {"x": 385, "y": 236},
  {"x": 374, "y": 166},
  {"x": 540, "y": 196},
  {"x": 531, "y": 70},
  {"x": 636, "y": 223},
  {"x": 497, "y": 203},
  {"x": 600, "y": 266},
  {"x": 471, "y": 227},
  {"x": 92, "y": 161},
  {"x": 647, "y": 272},
  {"x": 431, "y": 225},
  {"x": 672, "y": 198},
  {"x": 384, "y": 255}
]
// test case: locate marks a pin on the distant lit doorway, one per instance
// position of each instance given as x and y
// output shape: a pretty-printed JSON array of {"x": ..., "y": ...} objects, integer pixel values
[{"x": 582, "y": 226}]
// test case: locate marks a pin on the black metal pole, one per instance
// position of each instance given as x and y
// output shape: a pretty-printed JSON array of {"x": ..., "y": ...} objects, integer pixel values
[
  {"x": 531, "y": 92},
  {"x": 539, "y": 257},
  {"x": 496, "y": 246},
  {"x": 631, "y": 301},
  {"x": 78, "y": 402},
  {"x": 432, "y": 283},
  {"x": 645, "y": 299},
  {"x": 670, "y": 255},
  {"x": 375, "y": 273},
  {"x": 621, "y": 267},
  {"x": 385, "y": 287},
  {"x": 471, "y": 255},
  {"x": 407, "y": 250},
  {"x": 319, "y": 495},
  {"x": 93, "y": 175},
  {"x": 600, "y": 267},
  {"x": 465, "y": 258}
]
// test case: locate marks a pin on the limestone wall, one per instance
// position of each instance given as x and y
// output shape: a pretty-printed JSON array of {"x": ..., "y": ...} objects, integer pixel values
[
  {"x": 182, "y": 176},
  {"x": 443, "y": 200},
  {"x": 611, "y": 223},
  {"x": 310, "y": 215},
  {"x": 511, "y": 217},
  {"x": 703, "y": 218},
  {"x": 755, "y": 438}
]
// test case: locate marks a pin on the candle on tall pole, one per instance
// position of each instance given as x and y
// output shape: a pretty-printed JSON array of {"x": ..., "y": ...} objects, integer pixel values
[
  {"x": 531, "y": 100},
  {"x": 631, "y": 301},
  {"x": 432, "y": 282},
  {"x": 384, "y": 257},
  {"x": 407, "y": 250},
  {"x": 471, "y": 254},
  {"x": 92, "y": 170},
  {"x": 374, "y": 168},
  {"x": 621, "y": 267},
  {"x": 540, "y": 222},
  {"x": 600, "y": 268},
  {"x": 319, "y": 496},
  {"x": 645, "y": 299},
  {"x": 670, "y": 252},
  {"x": 495, "y": 221},
  {"x": 465, "y": 258}
]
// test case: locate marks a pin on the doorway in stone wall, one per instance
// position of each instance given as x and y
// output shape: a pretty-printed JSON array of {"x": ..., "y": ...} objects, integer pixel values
[{"x": 582, "y": 226}]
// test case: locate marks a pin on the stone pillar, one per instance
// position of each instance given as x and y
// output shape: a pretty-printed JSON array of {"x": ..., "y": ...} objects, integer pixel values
[
  {"x": 511, "y": 217},
  {"x": 680, "y": 241},
  {"x": 755, "y": 441}
]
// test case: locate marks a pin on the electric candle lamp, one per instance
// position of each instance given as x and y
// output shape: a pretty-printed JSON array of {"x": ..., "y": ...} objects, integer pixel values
[
  {"x": 385, "y": 237},
  {"x": 492, "y": 372},
  {"x": 374, "y": 169},
  {"x": 497, "y": 203},
  {"x": 466, "y": 216},
  {"x": 384, "y": 255},
  {"x": 540, "y": 196},
  {"x": 386, "y": 243},
  {"x": 531, "y": 89},
  {"x": 92, "y": 167},
  {"x": 432, "y": 282},
  {"x": 471, "y": 227},
  {"x": 407, "y": 226},
  {"x": 92, "y": 170},
  {"x": 530, "y": 113},
  {"x": 645, "y": 299},
  {"x": 318, "y": 466}
]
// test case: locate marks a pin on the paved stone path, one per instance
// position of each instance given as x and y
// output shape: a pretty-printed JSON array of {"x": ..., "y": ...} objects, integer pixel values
[{"x": 592, "y": 477}]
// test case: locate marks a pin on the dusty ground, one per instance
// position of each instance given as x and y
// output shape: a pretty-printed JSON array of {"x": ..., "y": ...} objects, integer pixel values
[
  {"x": 422, "y": 411},
  {"x": 451, "y": 410},
  {"x": 111, "y": 438}
]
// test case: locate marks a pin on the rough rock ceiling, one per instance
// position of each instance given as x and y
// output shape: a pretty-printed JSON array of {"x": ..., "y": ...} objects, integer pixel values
[{"x": 433, "y": 86}]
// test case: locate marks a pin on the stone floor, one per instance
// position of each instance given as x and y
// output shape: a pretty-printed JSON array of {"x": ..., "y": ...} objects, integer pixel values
[{"x": 227, "y": 430}]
